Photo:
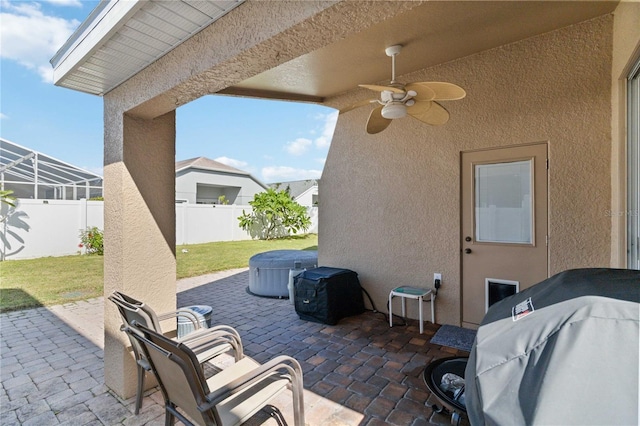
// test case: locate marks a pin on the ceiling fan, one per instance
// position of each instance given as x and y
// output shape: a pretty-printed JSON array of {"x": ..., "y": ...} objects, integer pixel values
[{"x": 416, "y": 99}]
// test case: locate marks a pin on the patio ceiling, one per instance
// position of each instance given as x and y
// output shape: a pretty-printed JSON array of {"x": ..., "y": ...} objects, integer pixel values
[{"x": 433, "y": 32}]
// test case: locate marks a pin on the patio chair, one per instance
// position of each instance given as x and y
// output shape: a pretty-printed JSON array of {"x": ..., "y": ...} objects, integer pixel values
[
  {"x": 227, "y": 398},
  {"x": 205, "y": 343}
]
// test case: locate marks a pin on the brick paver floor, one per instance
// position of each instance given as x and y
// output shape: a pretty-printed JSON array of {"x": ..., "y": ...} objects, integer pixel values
[{"x": 359, "y": 372}]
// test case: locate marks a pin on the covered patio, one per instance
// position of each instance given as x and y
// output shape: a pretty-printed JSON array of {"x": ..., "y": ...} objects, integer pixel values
[
  {"x": 359, "y": 372},
  {"x": 395, "y": 204}
]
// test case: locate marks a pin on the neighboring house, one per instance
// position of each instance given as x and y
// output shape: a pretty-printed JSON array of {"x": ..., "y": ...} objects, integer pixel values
[
  {"x": 204, "y": 181},
  {"x": 34, "y": 175},
  {"x": 304, "y": 192},
  {"x": 561, "y": 78}
]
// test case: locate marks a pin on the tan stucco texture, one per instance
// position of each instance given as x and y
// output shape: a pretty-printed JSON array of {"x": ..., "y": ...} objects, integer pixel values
[
  {"x": 390, "y": 203},
  {"x": 139, "y": 231}
]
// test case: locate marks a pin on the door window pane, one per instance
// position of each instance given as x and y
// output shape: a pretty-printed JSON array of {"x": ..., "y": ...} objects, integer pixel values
[{"x": 503, "y": 203}]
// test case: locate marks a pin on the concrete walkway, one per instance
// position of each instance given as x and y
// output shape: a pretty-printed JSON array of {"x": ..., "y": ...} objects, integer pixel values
[{"x": 359, "y": 372}]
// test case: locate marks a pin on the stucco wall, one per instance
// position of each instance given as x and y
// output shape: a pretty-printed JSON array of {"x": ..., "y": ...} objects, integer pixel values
[{"x": 390, "y": 202}]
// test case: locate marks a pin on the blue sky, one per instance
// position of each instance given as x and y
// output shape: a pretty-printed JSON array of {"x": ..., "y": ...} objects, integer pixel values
[{"x": 275, "y": 141}]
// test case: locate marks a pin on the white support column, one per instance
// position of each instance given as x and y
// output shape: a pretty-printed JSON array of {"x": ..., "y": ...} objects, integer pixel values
[
  {"x": 35, "y": 177},
  {"x": 82, "y": 214}
]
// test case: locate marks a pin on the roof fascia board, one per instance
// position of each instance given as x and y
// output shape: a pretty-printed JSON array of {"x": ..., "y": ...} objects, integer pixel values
[
  {"x": 104, "y": 21},
  {"x": 264, "y": 186},
  {"x": 240, "y": 173},
  {"x": 211, "y": 169}
]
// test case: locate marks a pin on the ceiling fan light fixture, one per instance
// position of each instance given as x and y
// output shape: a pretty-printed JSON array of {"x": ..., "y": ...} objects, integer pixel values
[{"x": 394, "y": 110}]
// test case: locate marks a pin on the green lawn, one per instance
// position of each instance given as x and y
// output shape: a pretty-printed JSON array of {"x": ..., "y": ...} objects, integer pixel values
[{"x": 57, "y": 280}]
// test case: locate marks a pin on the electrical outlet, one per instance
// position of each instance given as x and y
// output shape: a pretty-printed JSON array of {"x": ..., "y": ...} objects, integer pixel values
[{"x": 437, "y": 276}]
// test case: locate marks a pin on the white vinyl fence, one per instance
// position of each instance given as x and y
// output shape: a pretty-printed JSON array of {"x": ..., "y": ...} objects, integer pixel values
[
  {"x": 40, "y": 228},
  {"x": 205, "y": 223}
]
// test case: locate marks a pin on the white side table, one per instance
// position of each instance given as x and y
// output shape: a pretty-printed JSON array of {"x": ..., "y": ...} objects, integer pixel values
[{"x": 406, "y": 292}]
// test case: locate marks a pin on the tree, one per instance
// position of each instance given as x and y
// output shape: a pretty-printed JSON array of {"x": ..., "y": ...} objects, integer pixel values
[{"x": 275, "y": 214}]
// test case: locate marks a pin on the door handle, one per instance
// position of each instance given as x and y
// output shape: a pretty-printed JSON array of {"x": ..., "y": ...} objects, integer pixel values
[{"x": 467, "y": 250}]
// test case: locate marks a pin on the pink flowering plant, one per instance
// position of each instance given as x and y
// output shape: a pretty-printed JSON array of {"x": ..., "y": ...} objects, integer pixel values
[{"x": 92, "y": 239}]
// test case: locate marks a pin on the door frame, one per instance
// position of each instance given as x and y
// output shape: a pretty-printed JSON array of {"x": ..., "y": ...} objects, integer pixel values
[
  {"x": 632, "y": 212},
  {"x": 461, "y": 207}
]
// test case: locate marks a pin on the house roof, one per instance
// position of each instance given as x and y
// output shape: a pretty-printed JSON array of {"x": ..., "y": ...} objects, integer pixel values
[
  {"x": 207, "y": 164},
  {"x": 203, "y": 163},
  {"x": 296, "y": 187},
  {"x": 107, "y": 49}
]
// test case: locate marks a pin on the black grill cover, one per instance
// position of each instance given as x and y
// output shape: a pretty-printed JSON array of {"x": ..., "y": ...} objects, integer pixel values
[
  {"x": 563, "y": 352},
  {"x": 327, "y": 295}
]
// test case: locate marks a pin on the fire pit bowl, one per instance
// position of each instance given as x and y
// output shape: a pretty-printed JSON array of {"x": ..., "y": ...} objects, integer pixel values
[{"x": 451, "y": 399}]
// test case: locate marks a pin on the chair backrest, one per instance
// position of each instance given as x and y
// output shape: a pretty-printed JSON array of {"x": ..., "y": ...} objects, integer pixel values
[
  {"x": 134, "y": 310},
  {"x": 178, "y": 372},
  {"x": 130, "y": 312},
  {"x": 127, "y": 298}
]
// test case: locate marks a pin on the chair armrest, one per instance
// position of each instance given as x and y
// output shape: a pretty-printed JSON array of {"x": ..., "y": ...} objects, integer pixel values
[
  {"x": 205, "y": 339},
  {"x": 273, "y": 367},
  {"x": 185, "y": 313},
  {"x": 197, "y": 334}
]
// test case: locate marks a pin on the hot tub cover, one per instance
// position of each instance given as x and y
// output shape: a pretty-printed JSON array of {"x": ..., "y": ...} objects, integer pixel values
[
  {"x": 564, "y": 351},
  {"x": 280, "y": 258}
]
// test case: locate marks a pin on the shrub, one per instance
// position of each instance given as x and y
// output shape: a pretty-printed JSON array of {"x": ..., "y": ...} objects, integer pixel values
[
  {"x": 92, "y": 240},
  {"x": 275, "y": 214}
]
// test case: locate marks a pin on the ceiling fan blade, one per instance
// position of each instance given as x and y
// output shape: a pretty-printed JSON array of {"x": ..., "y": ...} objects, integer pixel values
[
  {"x": 357, "y": 105},
  {"x": 377, "y": 122},
  {"x": 424, "y": 92},
  {"x": 429, "y": 112},
  {"x": 378, "y": 88},
  {"x": 442, "y": 91}
]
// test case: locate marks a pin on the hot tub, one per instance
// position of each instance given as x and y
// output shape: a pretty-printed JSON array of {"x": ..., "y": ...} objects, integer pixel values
[{"x": 269, "y": 271}]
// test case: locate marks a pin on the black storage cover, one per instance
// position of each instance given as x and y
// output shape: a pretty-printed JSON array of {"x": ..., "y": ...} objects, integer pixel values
[
  {"x": 563, "y": 352},
  {"x": 327, "y": 295}
]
